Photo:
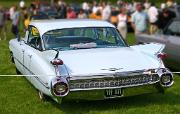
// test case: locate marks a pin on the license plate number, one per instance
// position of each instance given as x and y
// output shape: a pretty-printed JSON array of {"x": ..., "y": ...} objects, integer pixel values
[{"x": 112, "y": 93}]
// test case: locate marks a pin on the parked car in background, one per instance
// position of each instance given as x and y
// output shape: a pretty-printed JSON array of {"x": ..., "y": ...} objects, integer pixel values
[
  {"x": 45, "y": 11},
  {"x": 52, "y": 14},
  {"x": 76, "y": 7},
  {"x": 40, "y": 16},
  {"x": 87, "y": 59},
  {"x": 176, "y": 10},
  {"x": 170, "y": 36}
]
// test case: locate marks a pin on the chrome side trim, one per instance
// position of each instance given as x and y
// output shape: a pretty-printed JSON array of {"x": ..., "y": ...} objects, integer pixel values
[
  {"x": 111, "y": 75},
  {"x": 36, "y": 77}
]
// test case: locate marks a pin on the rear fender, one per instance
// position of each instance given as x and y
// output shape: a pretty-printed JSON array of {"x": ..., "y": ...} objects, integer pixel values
[{"x": 150, "y": 49}]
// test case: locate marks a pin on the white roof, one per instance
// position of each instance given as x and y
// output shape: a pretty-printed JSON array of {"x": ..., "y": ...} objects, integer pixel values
[{"x": 47, "y": 25}]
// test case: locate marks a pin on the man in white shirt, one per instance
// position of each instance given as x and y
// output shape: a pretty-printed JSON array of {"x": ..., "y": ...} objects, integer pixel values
[
  {"x": 85, "y": 6},
  {"x": 153, "y": 18},
  {"x": 106, "y": 12}
]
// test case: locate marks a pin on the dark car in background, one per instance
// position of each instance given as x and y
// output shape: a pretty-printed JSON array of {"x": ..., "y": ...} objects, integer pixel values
[
  {"x": 45, "y": 11},
  {"x": 52, "y": 13},
  {"x": 76, "y": 7},
  {"x": 40, "y": 16},
  {"x": 170, "y": 36},
  {"x": 176, "y": 10}
]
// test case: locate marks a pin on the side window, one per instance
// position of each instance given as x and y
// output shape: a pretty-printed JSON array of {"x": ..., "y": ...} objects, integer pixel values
[
  {"x": 178, "y": 9},
  {"x": 89, "y": 33},
  {"x": 34, "y": 39},
  {"x": 173, "y": 29}
]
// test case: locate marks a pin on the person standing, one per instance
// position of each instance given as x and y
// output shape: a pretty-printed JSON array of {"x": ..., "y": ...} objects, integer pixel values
[
  {"x": 86, "y": 7},
  {"x": 70, "y": 13},
  {"x": 26, "y": 21},
  {"x": 22, "y": 4},
  {"x": 11, "y": 12},
  {"x": 170, "y": 3},
  {"x": 95, "y": 7},
  {"x": 62, "y": 9},
  {"x": 147, "y": 5},
  {"x": 163, "y": 6},
  {"x": 81, "y": 14},
  {"x": 15, "y": 23},
  {"x": 2, "y": 24},
  {"x": 164, "y": 18},
  {"x": 134, "y": 3},
  {"x": 106, "y": 12},
  {"x": 153, "y": 18},
  {"x": 122, "y": 23},
  {"x": 139, "y": 20}
]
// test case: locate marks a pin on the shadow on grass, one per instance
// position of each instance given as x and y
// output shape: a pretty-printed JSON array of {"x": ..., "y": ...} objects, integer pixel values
[
  {"x": 172, "y": 65},
  {"x": 81, "y": 107}
]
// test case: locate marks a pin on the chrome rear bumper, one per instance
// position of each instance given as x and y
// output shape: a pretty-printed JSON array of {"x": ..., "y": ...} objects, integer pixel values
[
  {"x": 93, "y": 87},
  {"x": 99, "y": 94}
]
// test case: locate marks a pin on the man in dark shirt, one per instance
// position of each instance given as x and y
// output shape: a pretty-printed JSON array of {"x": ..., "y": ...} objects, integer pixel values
[
  {"x": 62, "y": 10},
  {"x": 164, "y": 18}
]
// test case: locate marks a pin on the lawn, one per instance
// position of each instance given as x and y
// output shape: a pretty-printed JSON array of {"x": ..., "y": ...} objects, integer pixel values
[{"x": 18, "y": 96}]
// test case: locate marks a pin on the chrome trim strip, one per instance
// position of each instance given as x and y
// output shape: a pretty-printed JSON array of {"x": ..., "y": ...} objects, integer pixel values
[
  {"x": 44, "y": 84},
  {"x": 135, "y": 85},
  {"x": 112, "y": 75}
]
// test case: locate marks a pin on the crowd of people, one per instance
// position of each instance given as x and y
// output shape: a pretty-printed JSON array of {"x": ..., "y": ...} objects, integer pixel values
[{"x": 143, "y": 17}]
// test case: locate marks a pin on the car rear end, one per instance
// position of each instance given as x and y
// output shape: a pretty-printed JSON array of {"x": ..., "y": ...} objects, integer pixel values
[{"x": 123, "y": 84}]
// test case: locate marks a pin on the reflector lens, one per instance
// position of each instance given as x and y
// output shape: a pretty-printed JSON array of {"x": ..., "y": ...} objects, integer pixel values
[
  {"x": 162, "y": 55},
  {"x": 166, "y": 80},
  {"x": 60, "y": 87}
]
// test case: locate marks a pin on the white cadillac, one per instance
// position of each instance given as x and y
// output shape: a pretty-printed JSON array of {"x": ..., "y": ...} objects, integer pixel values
[{"x": 87, "y": 59}]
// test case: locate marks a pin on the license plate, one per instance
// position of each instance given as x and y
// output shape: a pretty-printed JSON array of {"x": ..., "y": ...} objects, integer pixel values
[{"x": 113, "y": 93}]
